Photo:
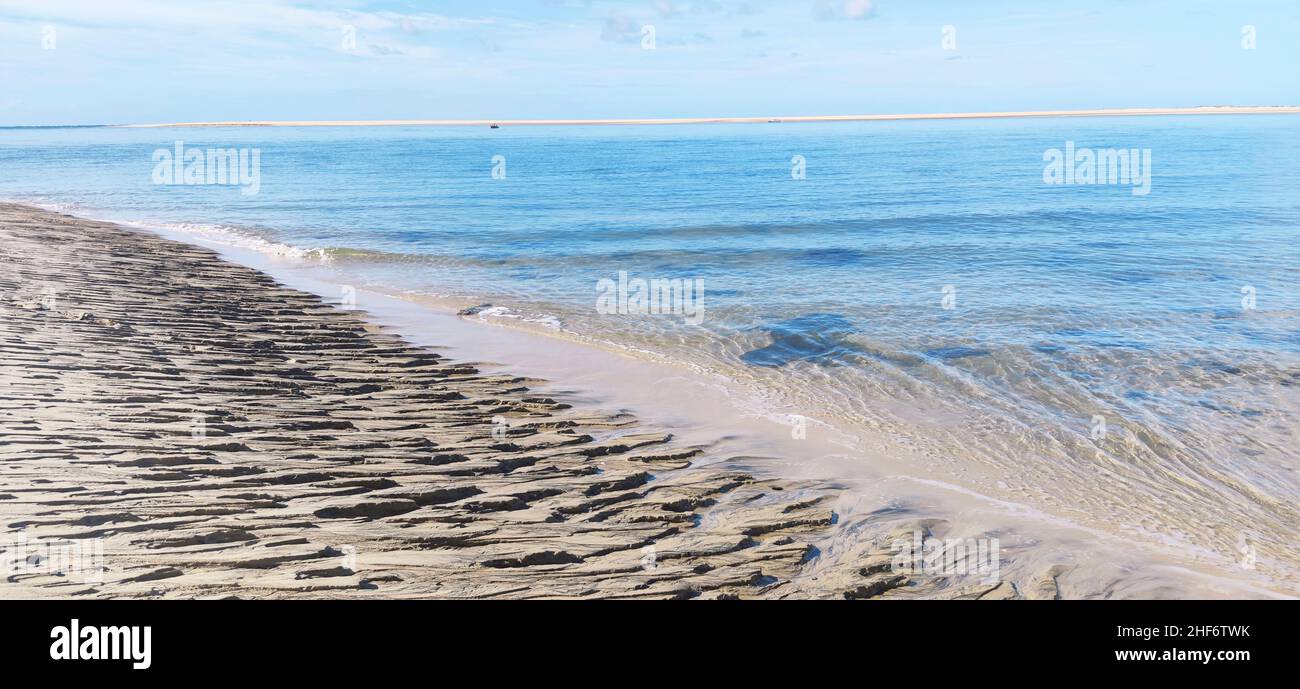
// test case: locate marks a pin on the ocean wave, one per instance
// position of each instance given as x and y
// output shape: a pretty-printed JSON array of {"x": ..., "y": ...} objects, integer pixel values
[
  {"x": 225, "y": 235},
  {"x": 236, "y": 237}
]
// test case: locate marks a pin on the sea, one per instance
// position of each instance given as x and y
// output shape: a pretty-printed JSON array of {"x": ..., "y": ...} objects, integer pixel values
[{"x": 1096, "y": 319}]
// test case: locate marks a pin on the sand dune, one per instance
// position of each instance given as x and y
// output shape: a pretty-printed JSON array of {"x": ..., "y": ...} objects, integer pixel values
[
  {"x": 336, "y": 460},
  {"x": 1111, "y": 112}
]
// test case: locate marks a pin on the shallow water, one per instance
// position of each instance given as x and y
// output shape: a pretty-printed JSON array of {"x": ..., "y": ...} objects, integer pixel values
[{"x": 1081, "y": 350}]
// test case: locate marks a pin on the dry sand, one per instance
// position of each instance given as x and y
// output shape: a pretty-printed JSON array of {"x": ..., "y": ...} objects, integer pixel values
[
  {"x": 1110, "y": 112},
  {"x": 337, "y": 460}
]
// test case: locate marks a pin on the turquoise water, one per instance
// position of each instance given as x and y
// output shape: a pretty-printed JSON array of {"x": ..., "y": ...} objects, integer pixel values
[{"x": 921, "y": 283}]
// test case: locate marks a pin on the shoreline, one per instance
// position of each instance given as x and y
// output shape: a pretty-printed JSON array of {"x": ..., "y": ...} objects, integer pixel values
[
  {"x": 798, "y": 119},
  {"x": 871, "y": 472},
  {"x": 333, "y": 458},
  {"x": 868, "y": 509}
]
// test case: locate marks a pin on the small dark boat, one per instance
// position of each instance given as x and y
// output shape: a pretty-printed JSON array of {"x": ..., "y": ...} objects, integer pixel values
[{"x": 496, "y": 126}]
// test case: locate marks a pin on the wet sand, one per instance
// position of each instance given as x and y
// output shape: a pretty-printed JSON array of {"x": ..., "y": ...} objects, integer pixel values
[{"x": 219, "y": 434}]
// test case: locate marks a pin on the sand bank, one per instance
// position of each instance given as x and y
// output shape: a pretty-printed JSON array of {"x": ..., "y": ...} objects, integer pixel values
[{"x": 1109, "y": 112}]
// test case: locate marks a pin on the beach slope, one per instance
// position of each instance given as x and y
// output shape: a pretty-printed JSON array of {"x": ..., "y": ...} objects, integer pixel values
[
  {"x": 176, "y": 425},
  {"x": 218, "y": 434}
]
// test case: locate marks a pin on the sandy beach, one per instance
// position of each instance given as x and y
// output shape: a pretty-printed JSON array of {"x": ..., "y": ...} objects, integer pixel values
[
  {"x": 222, "y": 435},
  {"x": 1100, "y": 112},
  {"x": 365, "y": 311}
]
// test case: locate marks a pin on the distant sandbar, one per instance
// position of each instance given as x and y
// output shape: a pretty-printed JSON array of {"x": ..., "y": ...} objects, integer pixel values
[{"x": 1112, "y": 112}]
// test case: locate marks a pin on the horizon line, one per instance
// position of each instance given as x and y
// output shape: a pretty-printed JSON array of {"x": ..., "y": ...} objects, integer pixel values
[{"x": 1100, "y": 112}]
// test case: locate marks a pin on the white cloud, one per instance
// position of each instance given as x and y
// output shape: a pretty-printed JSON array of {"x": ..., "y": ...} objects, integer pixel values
[
  {"x": 269, "y": 15},
  {"x": 856, "y": 10}
]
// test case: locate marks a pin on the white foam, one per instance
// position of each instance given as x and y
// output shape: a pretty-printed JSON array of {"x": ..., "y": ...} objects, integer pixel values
[
  {"x": 226, "y": 235},
  {"x": 223, "y": 235}
]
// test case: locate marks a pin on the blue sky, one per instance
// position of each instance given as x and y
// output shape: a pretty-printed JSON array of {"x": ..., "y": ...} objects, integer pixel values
[{"x": 111, "y": 61}]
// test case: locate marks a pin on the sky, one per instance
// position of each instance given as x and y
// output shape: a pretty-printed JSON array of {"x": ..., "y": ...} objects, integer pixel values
[{"x": 141, "y": 61}]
